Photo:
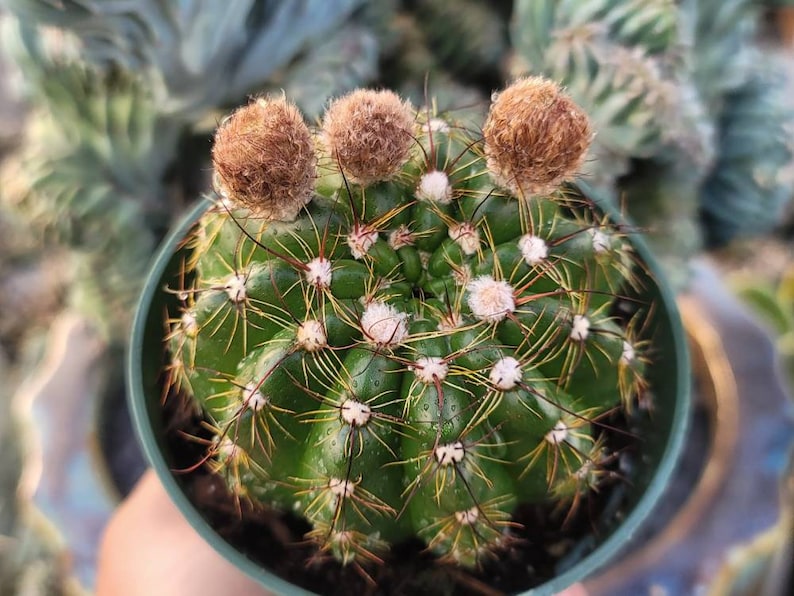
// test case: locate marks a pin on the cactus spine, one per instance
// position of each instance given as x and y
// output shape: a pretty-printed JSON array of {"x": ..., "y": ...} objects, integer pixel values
[{"x": 426, "y": 342}]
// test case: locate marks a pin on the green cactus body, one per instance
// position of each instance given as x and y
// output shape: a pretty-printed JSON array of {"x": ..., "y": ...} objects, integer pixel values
[{"x": 409, "y": 357}]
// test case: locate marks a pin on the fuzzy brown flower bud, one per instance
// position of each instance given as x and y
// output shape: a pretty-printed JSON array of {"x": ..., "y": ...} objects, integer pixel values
[
  {"x": 535, "y": 137},
  {"x": 264, "y": 159},
  {"x": 369, "y": 134}
]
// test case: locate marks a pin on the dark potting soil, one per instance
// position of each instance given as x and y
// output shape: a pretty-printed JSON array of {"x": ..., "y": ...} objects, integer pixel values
[{"x": 546, "y": 542}]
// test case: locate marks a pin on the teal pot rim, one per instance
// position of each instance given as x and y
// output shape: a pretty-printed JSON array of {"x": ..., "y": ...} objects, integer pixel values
[{"x": 598, "y": 558}]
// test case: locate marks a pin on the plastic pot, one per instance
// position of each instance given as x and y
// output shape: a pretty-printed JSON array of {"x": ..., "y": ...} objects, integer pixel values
[{"x": 661, "y": 436}]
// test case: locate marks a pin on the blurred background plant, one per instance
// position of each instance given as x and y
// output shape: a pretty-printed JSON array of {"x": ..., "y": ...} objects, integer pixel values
[
  {"x": 106, "y": 139},
  {"x": 694, "y": 132}
]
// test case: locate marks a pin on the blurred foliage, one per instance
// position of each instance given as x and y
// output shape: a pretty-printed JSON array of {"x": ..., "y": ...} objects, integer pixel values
[
  {"x": 773, "y": 301},
  {"x": 194, "y": 54},
  {"x": 751, "y": 182}
]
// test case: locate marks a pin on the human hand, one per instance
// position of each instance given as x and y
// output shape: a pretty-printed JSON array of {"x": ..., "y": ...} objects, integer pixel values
[{"x": 149, "y": 548}]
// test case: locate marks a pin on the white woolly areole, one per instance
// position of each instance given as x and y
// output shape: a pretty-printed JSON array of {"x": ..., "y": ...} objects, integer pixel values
[
  {"x": 400, "y": 237},
  {"x": 355, "y": 413},
  {"x": 557, "y": 434},
  {"x": 461, "y": 275},
  {"x": 383, "y": 324},
  {"x": 533, "y": 248},
  {"x": 468, "y": 516},
  {"x": 227, "y": 448},
  {"x": 628, "y": 354},
  {"x": 584, "y": 470},
  {"x": 580, "y": 328},
  {"x": 360, "y": 240},
  {"x": 490, "y": 300},
  {"x": 435, "y": 125},
  {"x": 235, "y": 287},
  {"x": 311, "y": 335},
  {"x": 450, "y": 321},
  {"x": 341, "y": 488},
  {"x": 451, "y": 453},
  {"x": 506, "y": 373},
  {"x": 600, "y": 240},
  {"x": 427, "y": 367},
  {"x": 343, "y": 537},
  {"x": 467, "y": 237},
  {"x": 434, "y": 186},
  {"x": 318, "y": 272},
  {"x": 253, "y": 398},
  {"x": 189, "y": 324}
]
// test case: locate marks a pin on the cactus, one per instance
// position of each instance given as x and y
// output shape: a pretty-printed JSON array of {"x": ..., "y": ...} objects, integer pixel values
[
  {"x": 753, "y": 179},
  {"x": 397, "y": 327},
  {"x": 622, "y": 61}
]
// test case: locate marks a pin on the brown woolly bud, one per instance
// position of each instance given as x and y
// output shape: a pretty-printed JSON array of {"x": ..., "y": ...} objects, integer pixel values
[
  {"x": 369, "y": 134},
  {"x": 535, "y": 137},
  {"x": 264, "y": 159}
]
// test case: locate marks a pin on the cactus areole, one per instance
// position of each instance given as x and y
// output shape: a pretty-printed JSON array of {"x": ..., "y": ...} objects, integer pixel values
[{"x": 397, "y": 328}]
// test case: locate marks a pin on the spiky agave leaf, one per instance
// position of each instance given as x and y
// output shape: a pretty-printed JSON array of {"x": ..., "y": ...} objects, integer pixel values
[{"x": 196, "y": 53}]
